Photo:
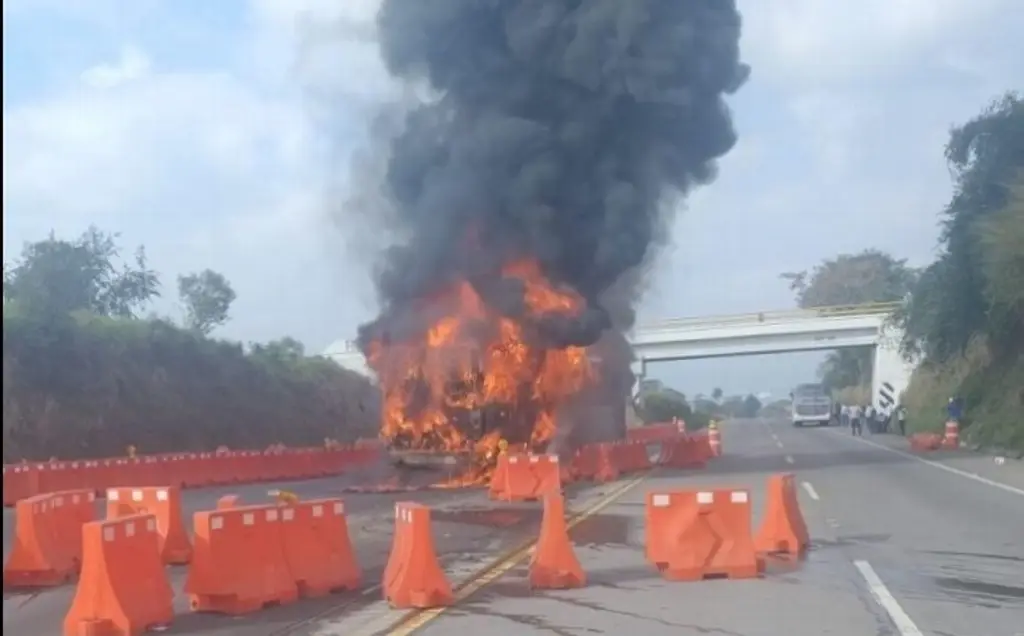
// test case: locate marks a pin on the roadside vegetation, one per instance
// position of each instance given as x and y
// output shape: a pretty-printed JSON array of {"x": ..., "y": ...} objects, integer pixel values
[
  {"x": 658, "y": 404},
  {"x": 86, "y": 373},
  {"x": 963, "y": 315}
]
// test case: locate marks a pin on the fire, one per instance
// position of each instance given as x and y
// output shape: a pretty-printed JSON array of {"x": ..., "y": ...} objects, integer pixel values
[{"x": 472, "y": 383}]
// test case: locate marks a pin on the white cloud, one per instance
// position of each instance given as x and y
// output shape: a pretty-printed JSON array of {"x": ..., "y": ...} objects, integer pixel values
[
  {"x": 133, "y": 65},
  {"x": 831, "y": 43}
]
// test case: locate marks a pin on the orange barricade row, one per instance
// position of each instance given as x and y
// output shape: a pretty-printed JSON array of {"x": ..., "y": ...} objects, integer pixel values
[
  {"x": 238, "y": 561},
  {"x": 47, "y": 548},
  {"x": 685, "y": 452},
  {"x": 186, "y": 470},
  {"x": 318, "y": 549},
  {"x": 413, "y": 577},
  {"x": 525, "y": 477},
  {"x": 123, "y": 590},
  {"x": 697, "y": 534},
  {"x": 164, "y": 503},
  {"x": 630, "y": 457},
  {"x": 596, "y": 462},
  {"x": 655, "y": 432},
  {"x": 783, "y": 529}
]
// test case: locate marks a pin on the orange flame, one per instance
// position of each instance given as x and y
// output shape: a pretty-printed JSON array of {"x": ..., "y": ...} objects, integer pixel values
[{"x": 472, "y": 380}]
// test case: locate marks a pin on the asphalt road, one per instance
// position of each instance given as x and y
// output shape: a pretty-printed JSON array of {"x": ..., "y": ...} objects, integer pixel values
[
  {"x": 469, "y": 531},
  {"x": 900, "y": 546}
]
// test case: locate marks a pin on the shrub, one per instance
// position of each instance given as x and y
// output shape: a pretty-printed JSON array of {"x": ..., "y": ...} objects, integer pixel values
[{"x": 83, "y": 385}]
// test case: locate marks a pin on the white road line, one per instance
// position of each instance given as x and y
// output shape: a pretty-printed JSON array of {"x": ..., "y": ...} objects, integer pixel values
[
  {"x": 949, "y": 469},
  {"x": 789, "y": 459},
  {"x": 884, "y": 597},
  {"x": 778, "y": 443},
  {"x": 811, "y": 492}
]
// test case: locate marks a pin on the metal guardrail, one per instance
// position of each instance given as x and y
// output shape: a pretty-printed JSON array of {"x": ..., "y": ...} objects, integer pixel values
[
  {"x": 772, "y": 317},
  {"x": 764, "y": 317}
]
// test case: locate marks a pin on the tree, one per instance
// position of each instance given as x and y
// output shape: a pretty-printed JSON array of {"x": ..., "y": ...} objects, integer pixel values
[
  {"x": 58, "y": 277},
  {"x": 717, "y": 394},
  {"x": 846, "y": 367},
  {"x": 207, "y": 297},
  {"x": 872, "y": 276},
  {"x": 663, "y": 407},
  {"x": 954, "y": 300},
  {"x": 751, "y": 406}
]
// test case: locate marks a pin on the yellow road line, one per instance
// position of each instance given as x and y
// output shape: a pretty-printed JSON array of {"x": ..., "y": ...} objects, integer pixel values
[{"x": 419, "y": 618}]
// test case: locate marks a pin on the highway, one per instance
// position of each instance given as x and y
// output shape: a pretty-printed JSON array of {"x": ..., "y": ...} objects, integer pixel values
[{"x": 900, "y": 546}]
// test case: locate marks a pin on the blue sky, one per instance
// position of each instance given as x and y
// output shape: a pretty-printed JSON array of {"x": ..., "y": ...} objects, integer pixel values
[{"x": 216, "y": 133}]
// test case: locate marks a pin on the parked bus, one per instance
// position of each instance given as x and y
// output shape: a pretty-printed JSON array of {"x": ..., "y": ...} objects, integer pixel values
[{"x": 812, "y": 404}]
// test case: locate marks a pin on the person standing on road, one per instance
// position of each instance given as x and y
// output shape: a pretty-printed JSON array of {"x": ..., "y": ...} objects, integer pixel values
[
  {"x": 856, "y": 414},
  {"x": 901, "y": 419},
  {"x": 954, "y": 410}
]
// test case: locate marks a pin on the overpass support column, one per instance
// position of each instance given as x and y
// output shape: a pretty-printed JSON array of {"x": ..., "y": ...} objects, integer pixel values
[{"x": 891, "y": 373}]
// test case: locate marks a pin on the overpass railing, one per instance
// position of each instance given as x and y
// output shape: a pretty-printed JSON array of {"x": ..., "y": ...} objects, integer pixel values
[
  {"x": 349, "y": 347},
  {"x": 771, "y": 317}
]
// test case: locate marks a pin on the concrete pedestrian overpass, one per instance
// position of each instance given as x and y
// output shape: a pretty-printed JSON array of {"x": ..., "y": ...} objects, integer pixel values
[{"x": 753, "y": 334}]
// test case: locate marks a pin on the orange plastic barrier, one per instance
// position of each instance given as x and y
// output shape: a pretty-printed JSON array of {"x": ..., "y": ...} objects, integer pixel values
[
  {"x": 318, "y": 549},
  {"x": 525, "y": 477},
  {"x": 685, "y": 452},
  {"x": 20, "y": 482},
  {"x": 653, "y": 432},
  {"x": 697, "y": 534},
  {"x": 554, "y": 565},
  {"x": 413, "y": 577},
  {"x": 123, "y": 590},
  {"x": 951, "y": 435},
  {"x": 783, "y": 529},
  {"x": 630, "y": 457},
  {"x": 925, "y": 441},
  {"x": 165, "y": 504},
  {"x": 37, "y": 558},
  {"x": 238, "y": 561}
]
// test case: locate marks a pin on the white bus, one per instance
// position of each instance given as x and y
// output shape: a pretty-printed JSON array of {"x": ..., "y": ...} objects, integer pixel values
[{"x": 812, "y": 404}]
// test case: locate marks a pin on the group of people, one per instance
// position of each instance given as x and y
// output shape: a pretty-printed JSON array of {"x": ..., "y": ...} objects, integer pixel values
[{"x": 857, "y": 417}]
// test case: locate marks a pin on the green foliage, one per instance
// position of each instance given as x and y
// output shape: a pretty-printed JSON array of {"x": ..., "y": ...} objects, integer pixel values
[
  {"x": 662, "y": 406},
  {"x": 845, "y": 368},
  {"x": 966, "y": 315},
  {"x": 993, "y": 392},
  {"x": 84, "y": 378},
  {"x": 57, "y": 277},
  {"x": 872, "y": 276},
  {"x": 207, "y": 297},
  {"x": 970, "y": 289},
  {"x": 1002, "y": 259}
]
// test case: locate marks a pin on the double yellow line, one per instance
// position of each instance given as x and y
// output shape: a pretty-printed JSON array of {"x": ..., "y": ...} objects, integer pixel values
[{"x": 419, "y": 618}]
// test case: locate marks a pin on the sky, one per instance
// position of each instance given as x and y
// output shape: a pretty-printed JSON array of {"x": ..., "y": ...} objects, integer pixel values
[{"x": 217, "y": 134}]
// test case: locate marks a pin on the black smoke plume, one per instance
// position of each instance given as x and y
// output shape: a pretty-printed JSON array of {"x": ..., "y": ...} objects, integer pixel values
[{"x": 565, "y": 131}]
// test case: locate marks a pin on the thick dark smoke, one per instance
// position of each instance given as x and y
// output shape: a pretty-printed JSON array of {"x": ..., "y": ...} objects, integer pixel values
[{"x": 566, "y": 132}]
